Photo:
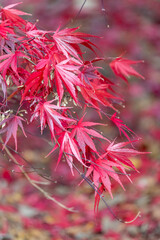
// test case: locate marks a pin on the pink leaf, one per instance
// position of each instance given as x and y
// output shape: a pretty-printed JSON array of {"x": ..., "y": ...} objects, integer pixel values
[
  {"x": 122, "y": 68},
  {"x": 11, "y": 128},
  {"x": 49, "y": 116}
]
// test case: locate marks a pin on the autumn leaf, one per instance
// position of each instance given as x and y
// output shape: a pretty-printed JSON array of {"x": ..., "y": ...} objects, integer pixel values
[
  {"x": 49, "y": 116},
  {"x": 121, "y": 126},
  {"x": 10, "y": 60},
  {"x": 67, "y": 41},
  {"x": 119, "y": 154},
  {"x": 66, "y": 72},
  {"x": 11, "y": 126},
  {"x": 101, "y": 170},
  {"x": 122, "y": 68},
  {"x": 98, "y": 93},
  {"x": 67, "y": 146},
  {"x": 8, "y": 13},
  {"x": 5, "y": 29},
  {"x": 82, "y": 134}
]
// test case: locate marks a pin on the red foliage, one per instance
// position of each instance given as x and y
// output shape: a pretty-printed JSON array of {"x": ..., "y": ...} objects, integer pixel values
[
  {"x": 121, "y": 67},
  {"x": 46, "y": 66}
]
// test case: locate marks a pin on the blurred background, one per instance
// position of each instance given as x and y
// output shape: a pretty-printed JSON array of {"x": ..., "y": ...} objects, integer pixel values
[{"x": 131, "y": 27}]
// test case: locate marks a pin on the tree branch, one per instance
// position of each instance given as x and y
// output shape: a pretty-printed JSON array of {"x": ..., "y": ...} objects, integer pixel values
[{"x": 34, "y": 184}]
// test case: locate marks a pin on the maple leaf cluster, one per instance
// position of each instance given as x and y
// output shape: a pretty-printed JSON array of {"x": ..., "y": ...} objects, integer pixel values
[{"x": 44, "y": 71}]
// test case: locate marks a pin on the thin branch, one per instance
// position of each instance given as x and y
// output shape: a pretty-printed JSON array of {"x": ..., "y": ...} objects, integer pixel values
[
  {"x": 30, "y": 165},
  {"x": 34, "y": 184},
  {"x": 104, "y": 13},
  {"x": 80, "y": 10}
]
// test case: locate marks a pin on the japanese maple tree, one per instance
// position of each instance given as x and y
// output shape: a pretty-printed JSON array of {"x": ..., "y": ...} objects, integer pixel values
[{"x": 46, "y": 74}]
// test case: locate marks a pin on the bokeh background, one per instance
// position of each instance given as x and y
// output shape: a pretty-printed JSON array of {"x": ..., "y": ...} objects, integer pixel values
[{"x": 131, "y": 27}]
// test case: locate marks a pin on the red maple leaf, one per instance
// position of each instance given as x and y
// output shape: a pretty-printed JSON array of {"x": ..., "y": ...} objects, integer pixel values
[
  {"x": 68, "y": 147},
  {"x": 49, "y": 116},
  {"x": 97, "y": 197},
  {"x": 11, "y": 127},
  {"x": 11, "y": 60},
  {"x": 34, "y": 85},
  {"x": 37, "y": 38},
  {"x": 121, "y": 126},
  {"x": 96, "y": 93},
  {"x": 101, "y": 170},
  {"x": 39, "y": 81},
  {"x": 66, "y": 72},
  {"x": 122, "y": 68},
  {"x": 67, "y": 41},
  {"x": 13, "y": 14},
  {"x": 88, "y": 72},
  {"x": 118, "y": 154},
  {"x": 5, "y": 29},
  {"x": 82, "y": 134},
  {"x": 104, "y": 167},
  {"x": 45, "y": 65}
]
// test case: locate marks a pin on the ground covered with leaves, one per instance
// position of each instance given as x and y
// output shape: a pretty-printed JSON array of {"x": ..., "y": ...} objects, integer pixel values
[{"x": 26, "y": 214}]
